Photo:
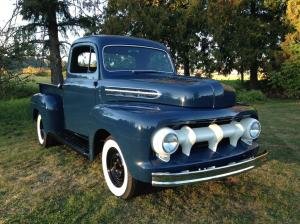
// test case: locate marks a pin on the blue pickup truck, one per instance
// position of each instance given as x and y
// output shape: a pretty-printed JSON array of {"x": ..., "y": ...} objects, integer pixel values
[{"x": 123, "y": 100}]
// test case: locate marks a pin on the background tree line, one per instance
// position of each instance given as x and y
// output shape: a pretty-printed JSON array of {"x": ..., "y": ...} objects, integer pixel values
[{"x": 250, "y": 36}]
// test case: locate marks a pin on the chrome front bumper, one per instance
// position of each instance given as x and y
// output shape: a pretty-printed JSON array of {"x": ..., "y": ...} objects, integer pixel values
[{"x": 212, "y": 173}]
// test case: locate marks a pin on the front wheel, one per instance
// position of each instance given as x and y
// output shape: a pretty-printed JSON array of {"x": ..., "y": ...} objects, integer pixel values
[{"x": 116, "y": 174}]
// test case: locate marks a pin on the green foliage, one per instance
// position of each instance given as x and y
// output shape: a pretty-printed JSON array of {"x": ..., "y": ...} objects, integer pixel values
[
  {"x": 51, "y": 17},
  {"x": 42, "y": 74},
  {"x": 178, "y": 24},
  {"x": 14, "y": 85},
  {"x": 293, "y": 16},
  {"x": 286, "y": 81},
  {"x": 236, "y": 84},
  {"x": 207, "y": 35},
  {"x": 15, "y": 46},
  {"x": 247, "y": 34},
  {"x": 250, "y": 96},
  {"x": 37, "y": 11}
]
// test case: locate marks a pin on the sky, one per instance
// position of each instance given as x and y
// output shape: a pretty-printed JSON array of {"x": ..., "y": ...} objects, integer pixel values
[{"x": 6, "y": 10}]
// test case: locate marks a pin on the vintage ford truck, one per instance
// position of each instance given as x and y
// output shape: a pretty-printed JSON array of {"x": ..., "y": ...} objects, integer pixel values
[{"x": 123, "y": 100}]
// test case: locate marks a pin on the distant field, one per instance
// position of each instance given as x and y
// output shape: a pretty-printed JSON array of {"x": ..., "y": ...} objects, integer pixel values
[
  {"x": 45, "y": 76},
  {"x": 58, "y": 185}
]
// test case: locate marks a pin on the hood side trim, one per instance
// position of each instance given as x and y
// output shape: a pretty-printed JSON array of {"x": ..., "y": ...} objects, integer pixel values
[{"x": 132, "y": 92}]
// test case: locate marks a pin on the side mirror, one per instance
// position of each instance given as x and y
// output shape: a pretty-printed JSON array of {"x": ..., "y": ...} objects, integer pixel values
[{"x": 59, "y": 85}]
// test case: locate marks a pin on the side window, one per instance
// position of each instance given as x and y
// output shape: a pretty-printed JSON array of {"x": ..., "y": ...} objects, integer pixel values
[{"x": 83, "y": 60}]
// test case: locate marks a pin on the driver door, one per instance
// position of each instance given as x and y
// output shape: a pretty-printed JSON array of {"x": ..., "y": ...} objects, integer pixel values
[{"x": 80, "y": 88}]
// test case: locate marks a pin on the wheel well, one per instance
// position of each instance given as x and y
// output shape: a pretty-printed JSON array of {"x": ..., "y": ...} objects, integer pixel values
[
  {"x": 99, "y": 139},
  {"x": 35, "y": 114}
]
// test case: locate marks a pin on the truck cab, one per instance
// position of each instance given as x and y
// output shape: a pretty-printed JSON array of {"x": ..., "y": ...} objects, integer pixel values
[{"x": 123, "y": 99}]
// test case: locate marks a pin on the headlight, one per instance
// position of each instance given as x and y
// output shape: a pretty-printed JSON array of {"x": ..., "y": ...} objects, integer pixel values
[
  {"x": 164, "y": 143},
  {"x": 255, "y": 129},
  {"x": 170, "y": 143},
  {"x": 252, "y": 129}
]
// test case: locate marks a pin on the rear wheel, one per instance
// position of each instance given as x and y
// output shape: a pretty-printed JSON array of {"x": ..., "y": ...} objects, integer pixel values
[
  {"x": 44, "y": 139},
  {"x": 116, "y": 174}
]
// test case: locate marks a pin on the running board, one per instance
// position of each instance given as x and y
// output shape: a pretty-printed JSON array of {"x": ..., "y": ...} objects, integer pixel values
[{"x": 77, "y": 142}]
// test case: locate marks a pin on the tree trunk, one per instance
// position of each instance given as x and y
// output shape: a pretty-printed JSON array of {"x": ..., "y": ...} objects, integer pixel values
[
  {"x": 55, "y": 58},
  {"x": 186, "y": 67},
  {"x": 253, "y": 77},
  {"x": 242, "y": 77}
]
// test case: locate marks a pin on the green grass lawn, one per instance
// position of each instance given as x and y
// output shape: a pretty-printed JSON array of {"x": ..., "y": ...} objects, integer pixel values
[{"x": 57, "y": 185}]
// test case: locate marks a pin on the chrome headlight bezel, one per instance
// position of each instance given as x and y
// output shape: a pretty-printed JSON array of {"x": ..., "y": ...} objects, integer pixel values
[
  {"x": 249, "y": 125},
  {"x": 158, "y": 140},
  {"x": 254, "y": 129}
]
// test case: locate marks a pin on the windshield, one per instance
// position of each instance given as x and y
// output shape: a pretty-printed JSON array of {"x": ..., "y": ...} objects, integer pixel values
[{"x": 136, "y": 58}]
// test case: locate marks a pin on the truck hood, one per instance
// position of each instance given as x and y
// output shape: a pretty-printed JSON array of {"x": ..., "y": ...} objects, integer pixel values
[{"x": 169, "y": 90}]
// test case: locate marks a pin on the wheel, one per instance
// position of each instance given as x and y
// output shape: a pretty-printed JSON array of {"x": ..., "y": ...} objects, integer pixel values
[
  {"x": 44, "y": 139},
  {"x": 116, "y": 174}
]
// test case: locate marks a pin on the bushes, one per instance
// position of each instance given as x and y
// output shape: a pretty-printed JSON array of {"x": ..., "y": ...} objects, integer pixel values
[
  {"x": 286, "y": 81},
  {"x": 250, "y": 96},
  {"x": 14, "y": 85},
  {"x": 244, "y": 95}
]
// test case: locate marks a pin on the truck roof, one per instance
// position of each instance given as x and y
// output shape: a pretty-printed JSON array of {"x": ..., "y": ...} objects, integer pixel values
[{"x": 103, "y": 40}]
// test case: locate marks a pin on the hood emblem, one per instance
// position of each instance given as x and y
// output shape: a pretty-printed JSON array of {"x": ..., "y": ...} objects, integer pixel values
[{"x": 132, "y": 92}]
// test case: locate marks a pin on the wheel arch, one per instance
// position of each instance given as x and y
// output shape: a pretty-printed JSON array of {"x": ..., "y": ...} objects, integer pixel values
[
  {"x": 98, "y": 141},
  {"x": 130, "y": 129},
  {"x": 35, "y": 113}
]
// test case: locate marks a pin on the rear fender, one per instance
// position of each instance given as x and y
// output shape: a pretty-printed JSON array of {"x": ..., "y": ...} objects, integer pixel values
[{"x": 51, "y": 109}]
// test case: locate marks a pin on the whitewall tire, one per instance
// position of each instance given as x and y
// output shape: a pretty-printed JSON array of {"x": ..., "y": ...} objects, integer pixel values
[
  {"x": 116, "y": 174},
  {"x": 40, "y": 130},
  {"x": 44, "y": 139}
]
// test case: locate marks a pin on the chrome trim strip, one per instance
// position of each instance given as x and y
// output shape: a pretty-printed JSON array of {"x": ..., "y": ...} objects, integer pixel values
[
  {"x": 203, "y": 178},
  {"x": 131, "y": 91},
  {"x": 140, "y": 93},
  {"x": 187, "y": 177},
  {"x": 208, "y": 169}
]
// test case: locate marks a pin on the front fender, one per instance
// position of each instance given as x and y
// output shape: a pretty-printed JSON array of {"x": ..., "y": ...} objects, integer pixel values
[
  {"x": 131, "y": 130},
  {"x": 133, "y": 124}
]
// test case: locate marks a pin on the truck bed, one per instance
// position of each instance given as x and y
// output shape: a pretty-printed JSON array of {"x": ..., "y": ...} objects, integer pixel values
[{"x": 46, "y": 88}]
